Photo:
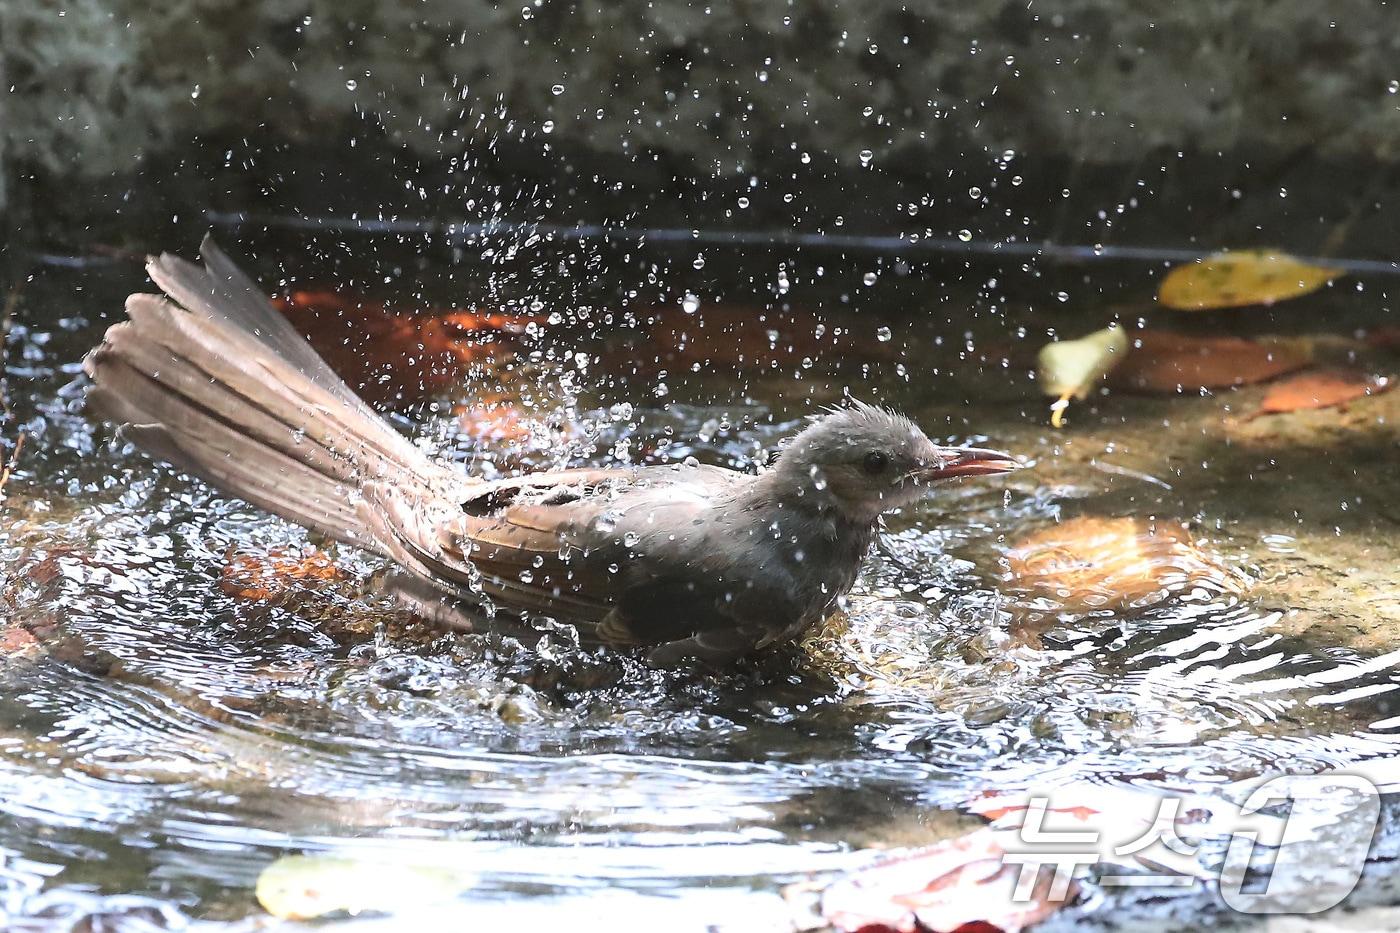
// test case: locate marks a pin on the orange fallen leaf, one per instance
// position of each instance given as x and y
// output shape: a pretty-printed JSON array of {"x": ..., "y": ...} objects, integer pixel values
[
  {"x": 272, "y": 577},
  {"x": 722, "y": 337},
  {"x": 493, "y": 422},
  {"x": 1161, "y": 361},
  {"x": 390, "y": 356},
  {"x": 1093, "y": 563},
  {"x": 16, "y": 640},
  {"x": 962, "y": 885},
  {"x": 1327, "y": 388}
]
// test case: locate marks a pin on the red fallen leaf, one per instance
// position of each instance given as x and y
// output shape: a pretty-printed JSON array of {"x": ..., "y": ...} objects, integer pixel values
[
  {"x": 992, "y": 806},
  {"x": 273, "y": 576},
  {"x": 1162, "y": 361},
  {"x": 1325, "y": 388},
  {"x": 962, "y": 885},
  {"x": 389, "y": 356},
  {"x": 1128, "y": 827}
]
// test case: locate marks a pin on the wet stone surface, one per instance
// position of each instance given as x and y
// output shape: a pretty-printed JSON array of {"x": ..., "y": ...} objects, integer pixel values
[{"x": 163, "y": 738}]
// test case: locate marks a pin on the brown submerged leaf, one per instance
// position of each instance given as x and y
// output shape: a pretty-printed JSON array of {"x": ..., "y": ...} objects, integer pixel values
[
  {"x": 274, "y": 576},
  {"x": 1094, "y": 563},
  {"x": 1163, "y": 362},
  {"x": 1328, "y": 388}
]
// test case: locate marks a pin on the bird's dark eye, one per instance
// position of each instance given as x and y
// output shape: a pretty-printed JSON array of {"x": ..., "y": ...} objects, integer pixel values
[{"x": 875, "y": 462}]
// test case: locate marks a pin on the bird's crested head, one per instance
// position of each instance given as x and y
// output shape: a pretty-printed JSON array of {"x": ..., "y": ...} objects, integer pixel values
[{"x": 865, "y": 460}]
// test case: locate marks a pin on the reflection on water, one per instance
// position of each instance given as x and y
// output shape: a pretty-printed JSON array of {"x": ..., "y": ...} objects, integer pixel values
[{"x": 163, "y": 739}]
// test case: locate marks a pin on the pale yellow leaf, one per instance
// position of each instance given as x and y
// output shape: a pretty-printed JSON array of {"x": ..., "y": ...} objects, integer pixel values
[
  {"x": 301, "y": 887},
  {"x": 1070, "y": 368}
]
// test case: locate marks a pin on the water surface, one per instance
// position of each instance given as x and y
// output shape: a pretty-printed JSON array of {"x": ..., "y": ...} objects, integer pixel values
[{"x": 162, "y": 739}]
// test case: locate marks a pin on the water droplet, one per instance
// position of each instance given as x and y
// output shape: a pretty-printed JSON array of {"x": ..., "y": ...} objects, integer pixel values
[
  {"x": 974, "y": 192},
  {"x": 965, "y": 236},
  {"x": 743, "y": 202},
  {"x": 351, "y": 84},
  {"x": 1016, "y": 181},
  {"x": 884, "y": 335},
  {"x": 547, "y": 126},
  {"x": 865, "y": 156},
  {"x": 699, "y": 262},
  {"x": 631, "y": 539},
  {"x": 607, "y": 521},
  {"x": 1393, "y": 87},
  {"x": 690, "y": 303},
  {"x": 526, "y": 576},
  {"x": 194, "y": 95},
  {"x": 1062, "y": 296},
  {"x": 557, "y": 90},
  {"x": 869, "y": 278}
]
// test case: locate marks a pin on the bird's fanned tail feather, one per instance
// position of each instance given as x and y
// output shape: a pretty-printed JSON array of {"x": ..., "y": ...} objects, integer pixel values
[{"x": 221, "y": 385}]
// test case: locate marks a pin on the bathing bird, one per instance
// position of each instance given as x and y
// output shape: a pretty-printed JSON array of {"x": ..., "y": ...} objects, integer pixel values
[{"x": 682, "y": 561}]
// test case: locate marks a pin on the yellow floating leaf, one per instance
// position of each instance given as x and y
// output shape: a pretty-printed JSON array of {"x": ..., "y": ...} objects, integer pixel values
[
  {"x": 1234, "y": 279},
  {"x": 1069, "y": 368},
  {"x": 301, "y": 887}
]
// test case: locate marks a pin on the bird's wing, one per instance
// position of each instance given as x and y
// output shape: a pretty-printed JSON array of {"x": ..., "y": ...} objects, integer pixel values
[
  {"x": 505, "y": 541},
  {"x": 637, "y": 557}
]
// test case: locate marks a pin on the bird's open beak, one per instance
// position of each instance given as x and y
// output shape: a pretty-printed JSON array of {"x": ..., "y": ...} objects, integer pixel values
[{"x": 951, "y": 462}]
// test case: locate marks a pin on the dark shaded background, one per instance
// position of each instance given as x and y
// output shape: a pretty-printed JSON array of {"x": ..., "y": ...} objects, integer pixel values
[{"x": 1252, "y": 122}]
